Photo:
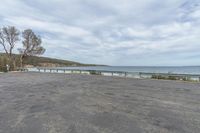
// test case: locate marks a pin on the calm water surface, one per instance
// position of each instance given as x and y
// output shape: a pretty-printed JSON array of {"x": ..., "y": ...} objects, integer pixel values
[{"x": 178, "y": 70}]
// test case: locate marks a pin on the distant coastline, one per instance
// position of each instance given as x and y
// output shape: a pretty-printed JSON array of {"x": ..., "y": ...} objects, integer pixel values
[{"x": 35, "y": 61}]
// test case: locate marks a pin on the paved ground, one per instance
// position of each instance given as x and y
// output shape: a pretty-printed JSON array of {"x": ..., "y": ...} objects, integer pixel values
[{"x": 61, "y": 103}]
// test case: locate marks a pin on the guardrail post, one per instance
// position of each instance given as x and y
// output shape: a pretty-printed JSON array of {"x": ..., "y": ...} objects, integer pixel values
[{"x": 125, "y": 74}]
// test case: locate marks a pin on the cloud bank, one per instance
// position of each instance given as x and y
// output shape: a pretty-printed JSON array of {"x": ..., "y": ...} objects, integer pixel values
[{"x": 112, "y": 32}]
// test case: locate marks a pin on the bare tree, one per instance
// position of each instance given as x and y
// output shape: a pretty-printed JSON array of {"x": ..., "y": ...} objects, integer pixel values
[
  {"x": 31, "y": 45},
  {"x": 9, "y": 36}
]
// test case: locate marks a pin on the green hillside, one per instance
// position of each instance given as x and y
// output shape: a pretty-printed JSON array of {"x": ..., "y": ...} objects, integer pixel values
[
  {"x": 38, "y": 61},
  {"x": 33, "y": 61}
]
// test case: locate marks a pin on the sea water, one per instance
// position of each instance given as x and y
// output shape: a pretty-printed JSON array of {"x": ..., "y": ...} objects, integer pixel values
[{"x": 148, "y": 69}]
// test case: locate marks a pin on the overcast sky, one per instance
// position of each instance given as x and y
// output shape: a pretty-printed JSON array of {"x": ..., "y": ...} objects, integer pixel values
[{"x": 112, "y": 32}]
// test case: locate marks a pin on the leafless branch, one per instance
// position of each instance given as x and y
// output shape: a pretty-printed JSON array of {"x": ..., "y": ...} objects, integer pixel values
[{"x": 31, "y": 45}]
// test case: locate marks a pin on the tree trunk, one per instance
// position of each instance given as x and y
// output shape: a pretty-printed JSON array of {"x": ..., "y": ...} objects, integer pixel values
[
  {"x": 9, "y": 63},
  {"x": 13, "y": 63},
  {"x": 21, "y": 61}
]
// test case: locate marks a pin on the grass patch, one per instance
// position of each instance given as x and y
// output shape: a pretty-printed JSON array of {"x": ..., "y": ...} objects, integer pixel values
[
  {"x": 171, "y": 77},
  {"x": 93, "y": 72}
]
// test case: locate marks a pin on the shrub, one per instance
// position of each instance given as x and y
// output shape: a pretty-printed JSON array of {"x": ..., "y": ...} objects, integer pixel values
[{"x": 93, "y": 72}]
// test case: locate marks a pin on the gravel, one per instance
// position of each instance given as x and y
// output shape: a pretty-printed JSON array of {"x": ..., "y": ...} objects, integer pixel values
[{"x": 73, "y": 103}]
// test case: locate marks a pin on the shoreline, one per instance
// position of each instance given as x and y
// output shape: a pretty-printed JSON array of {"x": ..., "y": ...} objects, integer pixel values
[{"x": 126, "y": 74}]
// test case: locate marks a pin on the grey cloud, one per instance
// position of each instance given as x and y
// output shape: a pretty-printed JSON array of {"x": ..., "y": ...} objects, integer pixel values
[{"x": 111, "y": 31}]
